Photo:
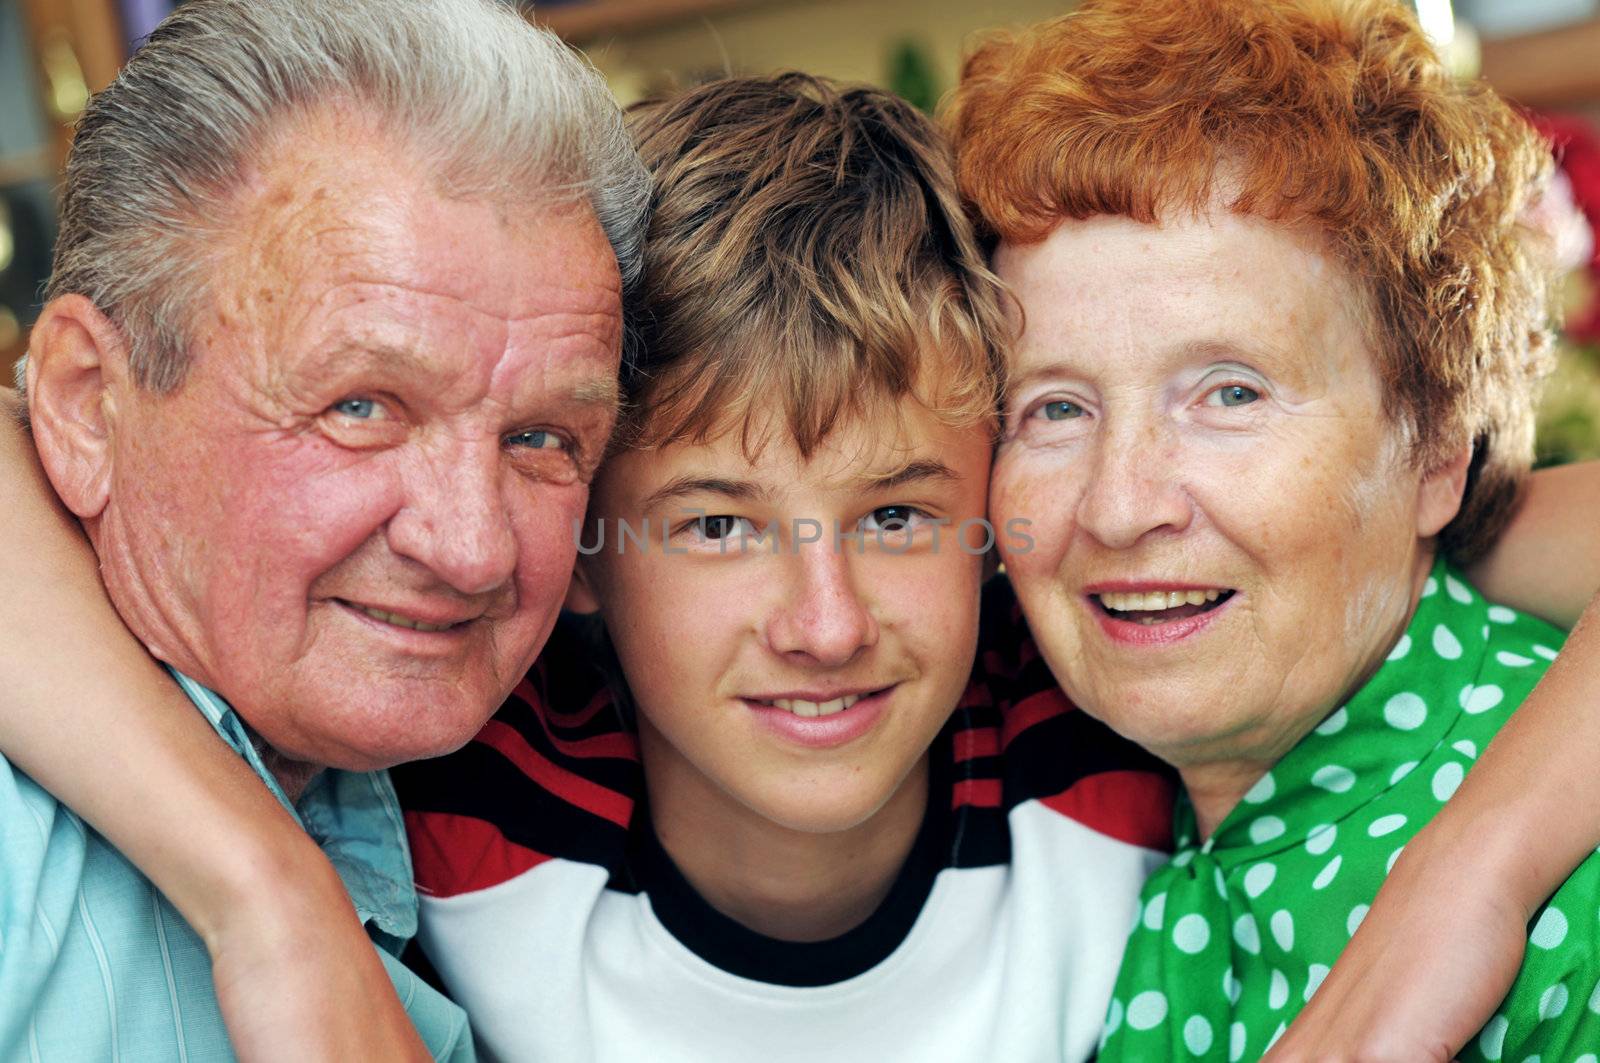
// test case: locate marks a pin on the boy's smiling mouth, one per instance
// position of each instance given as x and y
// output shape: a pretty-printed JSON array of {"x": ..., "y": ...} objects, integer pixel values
[{"x": 812, "y": 703}]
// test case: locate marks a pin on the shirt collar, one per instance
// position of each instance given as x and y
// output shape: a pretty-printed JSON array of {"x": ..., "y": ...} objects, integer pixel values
[
  {"x": 1372, "y": 741},
  {"x": 353, "y": 816}
]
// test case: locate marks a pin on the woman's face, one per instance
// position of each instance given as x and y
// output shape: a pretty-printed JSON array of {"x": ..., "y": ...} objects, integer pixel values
[{"x": 1228, "y": 535}]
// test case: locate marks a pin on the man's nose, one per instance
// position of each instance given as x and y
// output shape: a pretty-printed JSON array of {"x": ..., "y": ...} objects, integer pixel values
[
  {"x": 455, "y": 518},
  {"x": 1134, "y": 486},
  {"x": 822, "y": 617}
]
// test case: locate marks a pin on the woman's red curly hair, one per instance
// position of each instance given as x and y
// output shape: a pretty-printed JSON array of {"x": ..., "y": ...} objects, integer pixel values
[{"x": 1336, "y": 114}]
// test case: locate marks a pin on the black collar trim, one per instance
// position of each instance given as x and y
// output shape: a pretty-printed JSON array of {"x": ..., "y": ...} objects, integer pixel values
[{"x": 740, "y": 951}]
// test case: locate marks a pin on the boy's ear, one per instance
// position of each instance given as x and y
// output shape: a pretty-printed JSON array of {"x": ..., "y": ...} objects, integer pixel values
[
  {"x": 76, "y": 357},
  {"x": 1440, "y": 492},
  {"x": 580, "y": 593}
]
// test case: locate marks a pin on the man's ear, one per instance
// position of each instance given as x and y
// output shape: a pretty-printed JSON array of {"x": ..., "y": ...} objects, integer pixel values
[
  {"x": 580, "y": 592},
  {"x": 75, "y": 357},
  {"x": 1439, "y": 493}
]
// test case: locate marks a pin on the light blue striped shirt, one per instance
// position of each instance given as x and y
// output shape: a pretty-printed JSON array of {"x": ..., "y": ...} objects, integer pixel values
[{"x": 96, "y": 965}]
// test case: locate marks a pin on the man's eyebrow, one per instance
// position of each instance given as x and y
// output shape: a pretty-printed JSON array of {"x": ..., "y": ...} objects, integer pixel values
[
  {"x": 596, "y": 391},
  {"x": 687, "y": 486},
  {"x": 386, "y": 356},
  {"x": 919, "y": 471}
]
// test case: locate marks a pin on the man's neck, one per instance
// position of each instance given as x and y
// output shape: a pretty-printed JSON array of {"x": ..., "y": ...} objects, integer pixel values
[
  {"x": 786, "y": 884},
  {"x": 293, "y": 775}
]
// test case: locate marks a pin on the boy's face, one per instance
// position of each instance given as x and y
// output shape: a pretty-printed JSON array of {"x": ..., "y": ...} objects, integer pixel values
[{"x": 802, "y": 680}]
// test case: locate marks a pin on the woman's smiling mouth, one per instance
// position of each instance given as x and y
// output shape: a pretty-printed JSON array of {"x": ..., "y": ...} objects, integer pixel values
[
  {"x": 1160, "y": 607},
  {"x": 1152, "y": 613}
]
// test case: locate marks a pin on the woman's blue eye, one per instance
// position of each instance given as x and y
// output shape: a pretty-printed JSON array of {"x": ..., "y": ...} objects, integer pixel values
[
  {"x": 1061, "y": 410},
  {"x": 538, "y": 439},
  {"x": 360, "y": 409},
  {"x": 1236, "y": 395}
]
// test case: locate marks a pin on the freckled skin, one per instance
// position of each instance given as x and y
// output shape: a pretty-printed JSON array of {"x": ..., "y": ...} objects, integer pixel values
[
  {"x": 244, "y": 508},
  {"x": 696, "y": 632},
  {"x": 1303, "y": 501}
]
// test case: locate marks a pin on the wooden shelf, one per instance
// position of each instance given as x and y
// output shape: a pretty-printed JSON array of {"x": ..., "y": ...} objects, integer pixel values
[
  {"x": 588, "y": 19},
  {"x": 1552, "y": 68}
]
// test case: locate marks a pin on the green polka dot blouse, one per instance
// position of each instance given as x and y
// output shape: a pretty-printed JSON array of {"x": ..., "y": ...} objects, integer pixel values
[{"x": 1236, "y": 934}]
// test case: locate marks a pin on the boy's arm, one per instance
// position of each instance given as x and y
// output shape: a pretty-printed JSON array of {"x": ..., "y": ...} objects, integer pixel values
[
  {"x": 1547, "y": 562},
  {"x": 1446, "y": 935},
  {"x": 94, "y": 720}
]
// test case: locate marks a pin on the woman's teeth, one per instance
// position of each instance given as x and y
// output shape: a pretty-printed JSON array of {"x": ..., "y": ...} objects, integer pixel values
[
  {"x": 1155, "y": 601},
  {"x": 801, "y": 707}
]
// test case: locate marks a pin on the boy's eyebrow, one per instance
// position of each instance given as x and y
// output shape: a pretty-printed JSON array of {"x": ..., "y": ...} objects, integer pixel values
[
  {"x": 911, "y": 472},
  {"x": 684, "y": 486}
]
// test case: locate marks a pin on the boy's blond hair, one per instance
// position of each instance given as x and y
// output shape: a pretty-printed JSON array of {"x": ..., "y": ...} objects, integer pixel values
[{"x": 807, "y": 243}]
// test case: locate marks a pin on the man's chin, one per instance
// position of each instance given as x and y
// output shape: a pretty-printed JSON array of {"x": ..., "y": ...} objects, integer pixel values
[{"x": 377, "y": 731}]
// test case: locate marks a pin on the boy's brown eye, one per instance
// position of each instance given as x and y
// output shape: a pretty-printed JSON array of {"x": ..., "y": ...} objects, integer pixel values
[
  {"x": 894, "y": 518},
  {"x": 720, "y": 526}
]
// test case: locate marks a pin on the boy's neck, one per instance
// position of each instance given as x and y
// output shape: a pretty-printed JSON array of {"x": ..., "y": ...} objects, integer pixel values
[{"x": 785, "y": 884}]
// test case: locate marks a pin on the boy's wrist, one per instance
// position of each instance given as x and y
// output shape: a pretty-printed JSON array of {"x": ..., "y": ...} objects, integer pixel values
[
  {"x": 1485, "y": 853},
  {"x": 273, "y": 889}
]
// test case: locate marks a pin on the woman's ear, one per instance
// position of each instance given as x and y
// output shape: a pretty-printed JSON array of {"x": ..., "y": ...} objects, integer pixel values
[
  {"x": 1439, "y": 493},
  {"x": 76, "y": 359},
  {"x": 580, "y": 593}
]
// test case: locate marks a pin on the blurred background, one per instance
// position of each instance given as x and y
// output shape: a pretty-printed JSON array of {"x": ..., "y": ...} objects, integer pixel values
[{"x": 1544, "y": 54}]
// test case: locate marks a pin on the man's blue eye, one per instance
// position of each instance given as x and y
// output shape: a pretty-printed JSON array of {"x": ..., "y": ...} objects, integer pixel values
[
  {"x": 537, "y": 439},
  {"x": 1061, "y": 410},
  {"x": 1236, "y": 395},
  {"x": 360, "y": 409}
]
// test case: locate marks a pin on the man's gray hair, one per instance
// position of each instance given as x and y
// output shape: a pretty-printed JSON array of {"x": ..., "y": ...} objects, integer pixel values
[{"x": 493, "y": 107}]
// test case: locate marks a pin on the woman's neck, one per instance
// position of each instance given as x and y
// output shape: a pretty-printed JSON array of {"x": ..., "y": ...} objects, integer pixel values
[
  {"x": 1215, "y": 790},
  {"x": 1216, "y": 786},
  {"x": 786, "y": 884}
]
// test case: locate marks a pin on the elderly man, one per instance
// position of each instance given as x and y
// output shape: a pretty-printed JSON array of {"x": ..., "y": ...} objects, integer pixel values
[{"x": 329, "y": 356}]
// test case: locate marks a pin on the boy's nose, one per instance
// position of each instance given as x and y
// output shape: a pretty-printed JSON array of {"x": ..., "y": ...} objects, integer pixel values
[{"x": 823, "y": 615}]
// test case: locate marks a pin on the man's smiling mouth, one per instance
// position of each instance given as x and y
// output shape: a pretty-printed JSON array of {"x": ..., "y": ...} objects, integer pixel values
[{"x": 396, "y": 619}]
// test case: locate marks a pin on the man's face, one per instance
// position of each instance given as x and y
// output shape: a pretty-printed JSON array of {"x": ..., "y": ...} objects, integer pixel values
[
  {"x": 355, "y": 517},
  {"x": 799, "y": 682}
]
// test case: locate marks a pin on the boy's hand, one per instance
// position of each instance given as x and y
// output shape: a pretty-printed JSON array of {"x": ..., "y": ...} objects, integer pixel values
[
  {"x": 1423, "y": 974},
  {"x": 297, "y": 978}
]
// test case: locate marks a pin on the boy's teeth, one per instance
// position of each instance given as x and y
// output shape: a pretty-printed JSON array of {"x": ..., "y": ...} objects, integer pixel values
[
  {"x": 399, "y": 621},
  {"x": 801, "y": 707},
  {"x": 1154, "y": 601}
]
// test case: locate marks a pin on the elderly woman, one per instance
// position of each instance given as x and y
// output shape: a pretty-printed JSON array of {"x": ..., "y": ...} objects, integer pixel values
[{"x": 1281, "y": 338}]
